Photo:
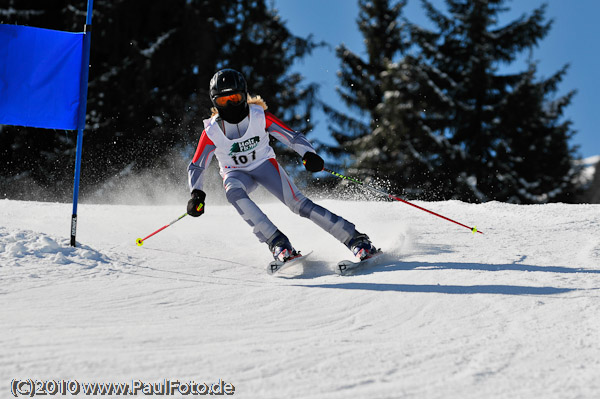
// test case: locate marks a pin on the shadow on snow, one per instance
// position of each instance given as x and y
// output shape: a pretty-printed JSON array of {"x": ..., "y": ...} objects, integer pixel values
[
  {"x": 390, "y": 265},
  {"x": 449, "y": 289}
]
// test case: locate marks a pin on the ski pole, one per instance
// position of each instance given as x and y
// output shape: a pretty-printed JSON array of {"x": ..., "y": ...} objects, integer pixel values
[
  {"x": 140, "y": 241},
  {"x": 336, "y": 174}
]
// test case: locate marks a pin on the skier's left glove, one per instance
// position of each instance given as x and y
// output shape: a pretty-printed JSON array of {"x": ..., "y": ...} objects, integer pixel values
[
  {"x": 195, "y": 206},
  {"x": 312, "y": 162}
]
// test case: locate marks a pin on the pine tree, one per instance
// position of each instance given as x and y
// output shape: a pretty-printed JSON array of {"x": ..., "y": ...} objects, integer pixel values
[
  {"x": 409, "y": 159},
  {"x": 534, "y": 161},
  {"x": 151, "y": 63},
  {"x": 492, "y": 143},
  {"x": 361, "y": 79},
  {"x": 388, "y": 138}
]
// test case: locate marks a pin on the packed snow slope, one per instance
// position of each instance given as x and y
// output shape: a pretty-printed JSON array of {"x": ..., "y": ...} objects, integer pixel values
[{"x": 511, "y": 313}]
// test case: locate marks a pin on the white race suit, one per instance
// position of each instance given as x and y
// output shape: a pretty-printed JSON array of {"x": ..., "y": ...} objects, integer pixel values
[{"x": 246, "y": 159}]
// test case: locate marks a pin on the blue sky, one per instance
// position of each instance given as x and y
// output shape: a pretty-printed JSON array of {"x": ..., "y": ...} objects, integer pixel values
[{"x": 572, "y": 40}]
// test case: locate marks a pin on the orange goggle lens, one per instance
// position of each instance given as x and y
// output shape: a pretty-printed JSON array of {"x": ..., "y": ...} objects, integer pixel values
[{"x": 234, "y": 98}]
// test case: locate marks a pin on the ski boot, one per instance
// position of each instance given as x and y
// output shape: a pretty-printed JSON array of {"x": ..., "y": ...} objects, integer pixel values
[
  {"x": 361, "y": 246},
  {"x": 281, "y": 248}
]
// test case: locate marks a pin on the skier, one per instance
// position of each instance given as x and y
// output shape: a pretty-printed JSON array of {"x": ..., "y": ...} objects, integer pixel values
[{"x": 238, "y": 135}]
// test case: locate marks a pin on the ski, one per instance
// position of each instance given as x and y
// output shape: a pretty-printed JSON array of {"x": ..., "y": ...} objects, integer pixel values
[
  {"x": 276, "y": 266},
  {"x": 347, "y": 267}
]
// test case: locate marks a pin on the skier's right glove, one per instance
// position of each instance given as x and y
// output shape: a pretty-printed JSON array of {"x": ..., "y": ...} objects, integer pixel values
[{"x": 195, "y": 206}]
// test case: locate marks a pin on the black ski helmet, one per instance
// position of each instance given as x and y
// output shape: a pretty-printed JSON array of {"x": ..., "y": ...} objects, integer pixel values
[{"x": 226, "y": 82}]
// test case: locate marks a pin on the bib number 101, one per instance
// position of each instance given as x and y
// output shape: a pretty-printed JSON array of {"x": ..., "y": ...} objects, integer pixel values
[{"x": 243, "y": 159}]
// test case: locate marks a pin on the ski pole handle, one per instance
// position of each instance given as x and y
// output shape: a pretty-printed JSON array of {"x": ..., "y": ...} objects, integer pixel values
[
  {"x": 366, "y": 186},
  {"x": 140, "y": 241}
]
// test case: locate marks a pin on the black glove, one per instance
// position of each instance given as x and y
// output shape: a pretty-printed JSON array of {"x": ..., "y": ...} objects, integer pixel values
[
  {"x": 195, "y": 205},
  {"x": 312, "y": 162}
]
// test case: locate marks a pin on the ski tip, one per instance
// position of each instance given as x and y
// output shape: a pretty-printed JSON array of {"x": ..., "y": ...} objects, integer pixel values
[
  {"x": 276, "y": 265},
  {"x": 347, "y": 267},
  {"x": 273, "y": 267}
]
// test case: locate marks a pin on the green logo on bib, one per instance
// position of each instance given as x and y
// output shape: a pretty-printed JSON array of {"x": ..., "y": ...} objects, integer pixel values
[{"x": 245, "y": 145}]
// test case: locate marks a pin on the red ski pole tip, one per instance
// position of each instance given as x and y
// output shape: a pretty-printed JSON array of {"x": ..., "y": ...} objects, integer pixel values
[{"x": 139, "y": 242}]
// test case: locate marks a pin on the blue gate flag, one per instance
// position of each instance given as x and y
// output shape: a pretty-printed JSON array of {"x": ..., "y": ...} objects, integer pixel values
[{"x": 40, "y": 72}]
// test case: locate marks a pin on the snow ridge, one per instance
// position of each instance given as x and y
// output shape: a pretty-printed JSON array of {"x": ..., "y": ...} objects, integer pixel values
[{"x": 20, "y": 247}]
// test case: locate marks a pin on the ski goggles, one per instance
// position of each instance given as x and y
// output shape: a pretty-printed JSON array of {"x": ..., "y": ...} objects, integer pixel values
[{"x": 234, "y": 98}]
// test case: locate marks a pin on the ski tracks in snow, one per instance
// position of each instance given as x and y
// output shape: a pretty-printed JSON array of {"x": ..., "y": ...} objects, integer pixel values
[{"x": 446, "y": 314}]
